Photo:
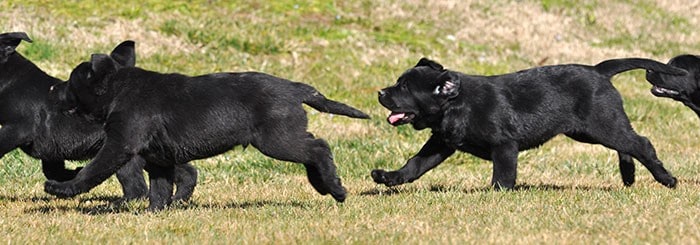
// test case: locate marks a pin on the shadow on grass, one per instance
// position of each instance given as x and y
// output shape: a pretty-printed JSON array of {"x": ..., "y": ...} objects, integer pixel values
[
  {"x": 25, "y": 198},
  {"x": 695, "y": 182},
  {"x": 388, "y": 191},
  {"x": 109, "y": 205},
  {"x": 85, "y": 204},
  {"x": 90, "y": 210},
  {"x": 245, "y": 205},
  {"x": 46, "y": 198}
]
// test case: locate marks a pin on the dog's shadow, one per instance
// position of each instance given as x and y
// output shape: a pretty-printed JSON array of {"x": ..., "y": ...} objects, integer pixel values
[
  {"x": 105, "y": 204},
  {"x": 108, "y": 205},
  {"x": 388, "y": 191}
]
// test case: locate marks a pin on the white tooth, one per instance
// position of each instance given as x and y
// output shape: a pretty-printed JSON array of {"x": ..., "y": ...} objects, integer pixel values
[{"x": 665, "y": 91}]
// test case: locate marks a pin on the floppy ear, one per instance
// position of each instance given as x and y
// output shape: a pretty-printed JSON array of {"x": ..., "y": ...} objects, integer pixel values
[
  {"x": 448, "y": 86},
  {"x": 124, "y": 54},
  {"x": 9, "y": 41},
  {"x": 102, "y": 65},
  {"x": 429, "y": 63}
]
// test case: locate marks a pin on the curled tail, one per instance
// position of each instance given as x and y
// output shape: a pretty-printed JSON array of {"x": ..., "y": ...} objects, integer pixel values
[
  {"x": 316, "y": 100},
  {"x": 611, "y": 67}
]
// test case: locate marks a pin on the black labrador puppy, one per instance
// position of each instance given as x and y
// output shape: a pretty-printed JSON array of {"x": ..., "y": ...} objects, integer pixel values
[
  {"x": 495, "y": 117},
  {"x": 30, "y": 122},
  {"x": 169, "y": 119},
  {"x": 685, "y": 89}
]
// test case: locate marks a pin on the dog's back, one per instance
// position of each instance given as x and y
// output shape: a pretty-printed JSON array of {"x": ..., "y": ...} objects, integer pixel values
[{"x": 221, "y": 109}]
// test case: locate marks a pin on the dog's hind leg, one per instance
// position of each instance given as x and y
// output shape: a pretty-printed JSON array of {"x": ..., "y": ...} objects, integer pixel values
[
  {"x": 289, "y": 144},
  {"x": 161, "y": 186},
  {"x": 626, "y": 163},
  {"x": 619, "y": 135},
  {"x": 434, "y": 152},
  {"x": 626, "y": 168},
  {"x": 185, "y": 181},
  {"x": 641, "y": 149}
]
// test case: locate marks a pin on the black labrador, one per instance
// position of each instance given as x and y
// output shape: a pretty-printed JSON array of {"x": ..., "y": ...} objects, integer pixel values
[
  {"x": 685, "y": 89},
  {"x": 495, "y": 117},
  {"x": 30, "y": 122},
  {"x": 169, "y": 119}
]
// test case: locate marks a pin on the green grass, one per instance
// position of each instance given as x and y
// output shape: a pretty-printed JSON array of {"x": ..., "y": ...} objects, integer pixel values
[{"x": 568, "y": 192}]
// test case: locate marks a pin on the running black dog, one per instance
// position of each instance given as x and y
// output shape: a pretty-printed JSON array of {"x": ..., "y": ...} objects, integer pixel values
[
  {"x": 169, "y": 119},
  {"x": 685, "y": 89},
  {"x": 495, "y": 117},
  {"x": 40, "y": 130}
]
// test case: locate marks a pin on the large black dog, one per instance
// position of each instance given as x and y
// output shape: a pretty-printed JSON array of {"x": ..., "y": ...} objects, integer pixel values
[
  {"x": 169, "y": 119},
  {"x": 44, "y": 132},
  {"x": 685, "y": 89},
  {"x": 495, "y": 117}
]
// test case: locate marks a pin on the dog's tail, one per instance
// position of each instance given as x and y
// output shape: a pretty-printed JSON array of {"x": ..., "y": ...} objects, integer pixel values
[
  {"x": 316, "y": 100},
  {"x": 611, "y": 67}
]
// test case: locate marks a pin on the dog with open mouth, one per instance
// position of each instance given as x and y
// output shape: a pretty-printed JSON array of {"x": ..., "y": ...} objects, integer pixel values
[
  {"x": 685, "y": 89},
  {"x": 495, "y": 117}
]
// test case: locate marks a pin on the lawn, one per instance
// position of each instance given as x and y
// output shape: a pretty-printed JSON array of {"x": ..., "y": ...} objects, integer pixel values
[{"x": 567, "y": 192}]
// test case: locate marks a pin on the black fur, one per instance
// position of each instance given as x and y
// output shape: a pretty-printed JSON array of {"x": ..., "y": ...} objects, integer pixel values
[
  {"x": 495, "y": 117},
  {"x": 42, "y": 131},
  {"x": 685, "y": 89},
  {"x": 169, "y": 119}
]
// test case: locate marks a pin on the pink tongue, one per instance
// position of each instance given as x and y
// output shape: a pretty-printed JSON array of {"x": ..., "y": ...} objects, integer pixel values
[{"x": 395, "y": 117}]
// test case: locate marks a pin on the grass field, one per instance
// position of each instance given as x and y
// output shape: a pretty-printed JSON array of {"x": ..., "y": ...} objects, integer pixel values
[{"x": 568, "y": 192}]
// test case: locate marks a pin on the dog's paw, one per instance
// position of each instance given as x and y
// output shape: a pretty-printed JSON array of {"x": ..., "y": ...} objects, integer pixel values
[
  {"x": 338, "y": 191},
  {"x": 340, "y": 195},
  {"x": 671, "y": 184},
  {"x": 157, "y": 206},
  {"x": 60, "y": 189},
  {"x": 387, "y": 178}
]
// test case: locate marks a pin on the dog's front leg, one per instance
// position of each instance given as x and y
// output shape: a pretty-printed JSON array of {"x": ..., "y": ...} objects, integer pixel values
[
  {"x": 505, "y": 164},
  {"x": 56, "y": 170},
  {"x": 626, "y": 168},
  {"x": 434, "y": 152},
  {"x": 113, "y": 155}
]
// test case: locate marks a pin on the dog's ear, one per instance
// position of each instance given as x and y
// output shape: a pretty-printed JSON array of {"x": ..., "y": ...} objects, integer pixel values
[
  {"x": 124, "y": 54},
  {"x": 9, "y": 41},
  {"x": 430, "y": 63},
  {"x": 447, "y": 86},
  {"x": 81, "y": 74},
  {"x": 101, "y": 66}
]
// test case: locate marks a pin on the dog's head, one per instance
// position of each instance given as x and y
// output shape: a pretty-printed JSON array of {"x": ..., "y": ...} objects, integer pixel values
[
  {"x": 9, "y": 42},
  {"x": 87, "y": 82},
  {"x": 419, "y": 94},
  {"x": 685, "y": 89}
]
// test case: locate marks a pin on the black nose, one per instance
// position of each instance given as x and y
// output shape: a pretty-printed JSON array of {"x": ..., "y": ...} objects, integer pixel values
[{"x": 381, "y": 93}]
